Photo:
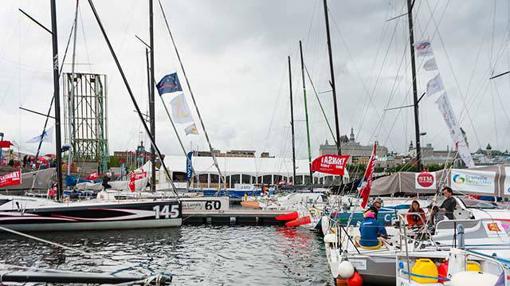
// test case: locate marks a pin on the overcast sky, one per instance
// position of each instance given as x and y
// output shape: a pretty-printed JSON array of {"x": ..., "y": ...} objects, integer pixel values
[{"x": 235, "y": 53}]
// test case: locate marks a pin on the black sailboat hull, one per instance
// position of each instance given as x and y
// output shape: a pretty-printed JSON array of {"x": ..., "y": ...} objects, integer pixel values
[{"x": 100, "y": 216}]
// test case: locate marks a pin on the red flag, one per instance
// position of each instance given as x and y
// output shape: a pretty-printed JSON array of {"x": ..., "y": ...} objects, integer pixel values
[
  {"x": 366, "y": 184},
  {"x": 330, "y": 164},
  {"x": 11, "y": 179}
]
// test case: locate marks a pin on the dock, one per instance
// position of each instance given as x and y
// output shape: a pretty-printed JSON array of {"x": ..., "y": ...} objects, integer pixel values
[{"x": 232, "y": 216}]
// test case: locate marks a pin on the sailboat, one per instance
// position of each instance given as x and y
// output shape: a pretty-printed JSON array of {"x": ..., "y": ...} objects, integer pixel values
[{"x": 38, "y": 214}]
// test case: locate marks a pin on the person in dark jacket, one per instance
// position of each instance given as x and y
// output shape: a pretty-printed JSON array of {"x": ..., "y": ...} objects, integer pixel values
[
  {"x": 105, "y": 184},
  {"x": 449, "y": 204},
  {"x": 371, "y": 230}
]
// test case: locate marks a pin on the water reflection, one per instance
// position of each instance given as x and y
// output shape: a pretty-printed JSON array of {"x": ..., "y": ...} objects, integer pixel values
[{"x": 196, "y": 255}]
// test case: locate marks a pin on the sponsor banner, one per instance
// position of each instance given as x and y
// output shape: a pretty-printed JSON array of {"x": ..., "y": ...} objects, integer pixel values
[
  {"x": 11, "y": 179},
  {"x": 425, "y": 181},
  {"x": 472, "y": 181},
  {"x": 330, "y": 164}
]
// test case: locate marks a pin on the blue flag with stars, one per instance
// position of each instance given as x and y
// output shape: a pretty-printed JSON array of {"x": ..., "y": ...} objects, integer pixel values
[{"x": 168, "y": 84}]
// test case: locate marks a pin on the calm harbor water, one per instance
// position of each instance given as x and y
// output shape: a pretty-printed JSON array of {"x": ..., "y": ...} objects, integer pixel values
[{"x": 196, "y": 255}]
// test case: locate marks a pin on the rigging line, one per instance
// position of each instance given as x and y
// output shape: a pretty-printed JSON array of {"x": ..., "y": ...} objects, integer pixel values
[
  {"x": 450, "y": 65},
  {"x": 191, "y": 92},
  {"x": 53, "y": 97},
  {"x": 394, "y": 87},
  {"x": 320, "y": 104},
  {"x": 128, "y": 87},
  {"x": 494, "y": 112},
  {"x": 365, "y": 88},
  {"x": 491, "y": 51}
]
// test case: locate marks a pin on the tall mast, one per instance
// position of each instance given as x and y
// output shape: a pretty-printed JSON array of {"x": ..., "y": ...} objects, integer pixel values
[
  {"x": 306, "y": 112},
  {"x": 415, "y": 89},
  {"x": 56, "y": 96},
  {"x": 151, "y": 97},
  {"x": 332, "y": 82},
  {"x": 292, "y": 126}
]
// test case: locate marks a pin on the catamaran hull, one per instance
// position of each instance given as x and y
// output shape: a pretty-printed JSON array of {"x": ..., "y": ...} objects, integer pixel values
[{"x": 129, "y": 215}]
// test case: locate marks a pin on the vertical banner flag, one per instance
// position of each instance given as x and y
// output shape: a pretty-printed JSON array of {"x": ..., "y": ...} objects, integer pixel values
[
  {"x": 180, "y": 109},
  {"x": 330, "y": 164},
  {"x": 366, "y": 183},
  {"x": 430, "y": 65},
  {"x": 435, "y": 85},
  {"x": 189, "y": 166},
  {"x": 445, "y": 107},
  {"x": 168, "y": 84},
  {"x": 191, "y": 130},
  {"x": 11, "y": 179},
  {"x": 423, "y": 48}
]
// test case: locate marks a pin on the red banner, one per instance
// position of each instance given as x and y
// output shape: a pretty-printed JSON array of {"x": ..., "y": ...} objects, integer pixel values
[
  {"x": 330, "y": 164},
  {"x": 5, "y": 144},
  {"x": 366, "y": 184},
  {"x": 11, "y": 179}
]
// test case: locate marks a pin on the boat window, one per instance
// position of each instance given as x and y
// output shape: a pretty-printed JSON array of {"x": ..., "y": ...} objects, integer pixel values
[{"x": 477, "y": 204}]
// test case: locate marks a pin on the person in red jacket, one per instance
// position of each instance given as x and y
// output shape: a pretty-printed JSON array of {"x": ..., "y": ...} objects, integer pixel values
[{"x": 415, "y": 215}]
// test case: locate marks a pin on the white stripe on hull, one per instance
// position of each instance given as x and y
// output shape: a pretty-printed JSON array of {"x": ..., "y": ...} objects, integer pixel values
[{"x": 102, "y": 225}]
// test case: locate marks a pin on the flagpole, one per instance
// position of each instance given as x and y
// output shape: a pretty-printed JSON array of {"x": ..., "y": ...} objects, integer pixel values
[
  {"x": 56, "y": 96},
  {"x": 306, "y": 114},
  {"x": 152, "y": 110},
  {"x": 292, "y": 127},
  {"x": 415, "y": 89}
]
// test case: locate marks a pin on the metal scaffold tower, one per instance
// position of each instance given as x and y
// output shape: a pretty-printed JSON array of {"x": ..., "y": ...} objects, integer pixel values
[{"x": 85, "y": 116}]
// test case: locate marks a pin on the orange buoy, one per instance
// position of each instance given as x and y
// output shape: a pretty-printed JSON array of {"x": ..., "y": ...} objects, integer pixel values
[
  {"x": 299, "y": 221},
  {"x": 355, "y": 280},
  {"x": 250, "y": 204},
  {"x": 287, "y": 216}
]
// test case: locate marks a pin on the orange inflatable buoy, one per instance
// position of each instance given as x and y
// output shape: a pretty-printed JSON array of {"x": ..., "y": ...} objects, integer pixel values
[
  {"x": 299, "y": 221},
  {"x": 287, "y": 216},
  {"x": 355, "y": 280}
]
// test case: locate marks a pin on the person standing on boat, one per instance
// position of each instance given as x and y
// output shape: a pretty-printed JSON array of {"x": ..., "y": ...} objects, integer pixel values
[
  {"x": 376, "y": 206},
  {"x": 415, "y": 215},
  {"x": 371, "y": 230},
  {"x": 449, "y": 204}
]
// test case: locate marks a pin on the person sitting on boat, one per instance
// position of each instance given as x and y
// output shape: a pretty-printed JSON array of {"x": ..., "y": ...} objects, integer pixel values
[
  {"x": 449, "y": 204},
  {"x": 415, "y": 215},
  {"x": 371, "y": 230},
  {"x": 376, "y": 206},
  {"x": 435, "y": 216}
]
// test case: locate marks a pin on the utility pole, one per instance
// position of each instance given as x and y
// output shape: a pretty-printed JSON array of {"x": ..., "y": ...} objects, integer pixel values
[
  {"x": 306, "y": 113},
  {"x": 292, "y": 126},
  {"x": 152, "y": 115},
  {"x": 415, "y": 89},
  {"x": 56, "y": 95},
  {"x": 332, "y": 82}
]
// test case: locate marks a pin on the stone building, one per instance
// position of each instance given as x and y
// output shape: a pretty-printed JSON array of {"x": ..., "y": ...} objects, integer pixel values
[{"x": 359, "y": 154}]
